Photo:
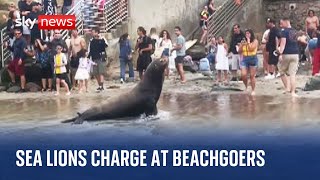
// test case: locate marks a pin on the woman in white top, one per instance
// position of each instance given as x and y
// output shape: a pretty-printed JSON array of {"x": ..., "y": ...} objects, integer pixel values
[
  {"x": 265, "y": 53},
  {"x": 166, "y": 45},
  {"x": 222, "y": 62}
]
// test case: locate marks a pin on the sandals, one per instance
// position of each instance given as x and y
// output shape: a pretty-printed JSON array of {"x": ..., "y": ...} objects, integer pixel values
[{"x": 46, "y": 90}]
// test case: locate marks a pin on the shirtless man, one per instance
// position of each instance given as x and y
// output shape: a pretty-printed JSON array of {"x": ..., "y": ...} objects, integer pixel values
[
  {"x": 76, "y": 44},
  {"x": 312, "y": 22}
]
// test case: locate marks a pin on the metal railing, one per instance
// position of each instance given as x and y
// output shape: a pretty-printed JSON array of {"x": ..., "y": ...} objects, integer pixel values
[
  {"x": 77, "y": 11},
  {"x": 114, "y": 12},
  {"x": 222, "y": 17},
  {"x": 5, "y": 52}
]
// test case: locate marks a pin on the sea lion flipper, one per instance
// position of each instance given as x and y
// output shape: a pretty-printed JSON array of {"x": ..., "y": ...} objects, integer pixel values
[
  {"x": 151, "y": 108},
  {"x": 69, "y": 120}
]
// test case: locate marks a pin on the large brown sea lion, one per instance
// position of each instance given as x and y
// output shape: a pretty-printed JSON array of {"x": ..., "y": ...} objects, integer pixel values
[{"x": 141, "y": 100}]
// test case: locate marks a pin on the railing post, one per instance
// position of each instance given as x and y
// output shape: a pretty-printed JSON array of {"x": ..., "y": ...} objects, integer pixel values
[{"x": 2, "y": 49}]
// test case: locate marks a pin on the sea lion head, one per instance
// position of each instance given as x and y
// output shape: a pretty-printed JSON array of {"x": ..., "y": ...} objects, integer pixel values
[{"x": 155, "y": 71}]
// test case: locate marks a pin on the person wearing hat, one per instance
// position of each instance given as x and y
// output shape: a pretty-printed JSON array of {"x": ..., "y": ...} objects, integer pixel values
[{"x": 271, "y": 46}]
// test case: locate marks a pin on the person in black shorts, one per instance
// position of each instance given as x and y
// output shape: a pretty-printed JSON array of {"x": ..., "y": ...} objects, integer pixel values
[
  {"x": 271, "y": 46},
  {"x": 43, "y": 57},
  {"x": 144, "y": 47}
]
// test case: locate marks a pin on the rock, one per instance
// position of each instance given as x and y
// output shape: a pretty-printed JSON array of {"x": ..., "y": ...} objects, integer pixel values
[
  {"x": 197, "y": 52},
  {"x": 5, "y": 78},
  {"x": 113, "y": 87},
  {"x": 13, "y": 89},
  {"x": 33, "y": 87},
  {"x": 3, "y": 88},
  {"x": 221, "y": 88},
  {"x": 33, "y": 73},
  {"x": 313, "y": 84},
  {"x": 207, "y": 73}
]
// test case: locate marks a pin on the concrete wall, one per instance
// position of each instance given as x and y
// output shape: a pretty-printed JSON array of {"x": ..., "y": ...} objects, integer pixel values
[
  {"x": 282, "y": 8},
  {"x": 166, "y": 14}
]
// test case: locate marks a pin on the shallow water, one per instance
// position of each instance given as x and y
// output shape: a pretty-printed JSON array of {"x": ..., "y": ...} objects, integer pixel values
[{"x": 179, "y": 115}]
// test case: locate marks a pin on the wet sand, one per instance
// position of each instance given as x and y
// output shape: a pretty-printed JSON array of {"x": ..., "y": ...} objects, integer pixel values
[{"x": 183, "y": 109}]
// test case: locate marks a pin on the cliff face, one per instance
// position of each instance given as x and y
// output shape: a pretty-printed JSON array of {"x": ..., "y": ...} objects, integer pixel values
[{"x": 296, "y": 10}]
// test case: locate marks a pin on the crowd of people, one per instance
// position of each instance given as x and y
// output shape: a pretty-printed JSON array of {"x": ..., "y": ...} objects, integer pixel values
[
  {"x": 70, "y": 63},
  {"x": 66, "y": 62},
  {"x": 283, "y": 47}
]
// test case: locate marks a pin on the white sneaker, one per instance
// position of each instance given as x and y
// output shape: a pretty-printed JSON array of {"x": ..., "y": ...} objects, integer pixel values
[
  {"x": 121, "y": 81},
  {"x": 278, "y": 75},
  {"x": 269, "y": 77}
]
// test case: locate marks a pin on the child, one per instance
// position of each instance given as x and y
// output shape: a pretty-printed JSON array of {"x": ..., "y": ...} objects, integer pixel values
[
  {"x": 83, "y": 71},
  {"x": 222, "y": 63},
  {"x": 60, "y": 63},
  {"x": 42, "y": 57}
]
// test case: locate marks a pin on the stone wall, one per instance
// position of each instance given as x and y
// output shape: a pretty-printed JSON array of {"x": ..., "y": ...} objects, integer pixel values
[{"x": 296, "y": 10}]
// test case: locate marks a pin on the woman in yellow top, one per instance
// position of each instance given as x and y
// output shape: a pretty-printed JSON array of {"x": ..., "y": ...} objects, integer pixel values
[{"x": 248, "y": 49}]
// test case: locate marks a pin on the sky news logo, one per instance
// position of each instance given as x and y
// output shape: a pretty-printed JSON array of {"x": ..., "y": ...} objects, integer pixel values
[{"x": 50, "y": 22}]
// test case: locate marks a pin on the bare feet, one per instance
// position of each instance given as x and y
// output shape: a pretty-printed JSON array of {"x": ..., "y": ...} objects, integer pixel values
[
  {"x": 286, "y": 92},
  {"x": 56, "y": 94},
  {"x": 183, "y": 82},
  {"x": 68, "y": 93},
  {"x": 294, "y": 95},
  {"x": 253, "y": 93}
]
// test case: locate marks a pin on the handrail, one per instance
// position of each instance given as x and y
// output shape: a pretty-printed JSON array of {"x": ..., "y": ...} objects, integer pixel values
[
  {"x": 115, "y": 12},
  {"x": 222, "y": 16}
]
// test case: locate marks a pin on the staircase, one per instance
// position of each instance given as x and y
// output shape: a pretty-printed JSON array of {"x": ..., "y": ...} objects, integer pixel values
[
  {"x": 108, "y": 15},
  {"x": 223, "y": 16}
]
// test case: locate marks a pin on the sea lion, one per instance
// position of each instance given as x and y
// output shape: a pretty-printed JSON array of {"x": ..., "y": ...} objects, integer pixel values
[{"x": 141, "y": 100}]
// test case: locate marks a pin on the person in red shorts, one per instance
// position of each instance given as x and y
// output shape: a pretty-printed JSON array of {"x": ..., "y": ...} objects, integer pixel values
[
  {"x": 16, "y": 66},
  {"x": 316, "y": 57}
]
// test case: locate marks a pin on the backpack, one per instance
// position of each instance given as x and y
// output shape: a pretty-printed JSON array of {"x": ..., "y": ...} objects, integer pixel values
[
  {"x": 153, "y": 42},
  {"x": 204, "y": 64},
  {"x": 189, "y": 65}
]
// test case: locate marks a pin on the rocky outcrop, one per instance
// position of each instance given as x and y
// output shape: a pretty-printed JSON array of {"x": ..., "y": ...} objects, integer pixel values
[
  {"x": 296, "y": 10},
  {"x": 313, "y": 84},
  {"x": 33, "y": 74},
  {"x": 13, "y": 89},
  {"x": 32, "y": 87},
  {"x": 3, "y": 88},
  {"x": 197, "y": 52}
]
